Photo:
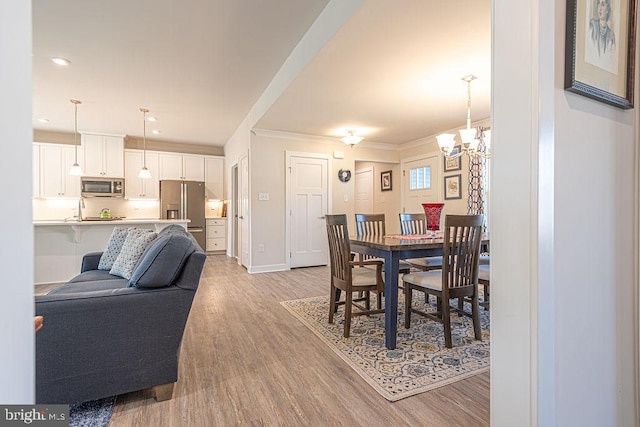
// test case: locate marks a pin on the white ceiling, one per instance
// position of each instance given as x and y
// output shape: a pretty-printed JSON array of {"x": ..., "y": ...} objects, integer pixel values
[{"x": 392, "y": 71}]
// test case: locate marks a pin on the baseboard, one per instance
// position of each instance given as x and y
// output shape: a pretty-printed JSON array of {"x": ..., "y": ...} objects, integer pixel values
[{"x": 267, "y": 268}]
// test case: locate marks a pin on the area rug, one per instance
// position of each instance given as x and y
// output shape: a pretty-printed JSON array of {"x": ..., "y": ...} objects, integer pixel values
[
  {"x": 420, "y": 362},
  {"x": 95, "y": 413}
]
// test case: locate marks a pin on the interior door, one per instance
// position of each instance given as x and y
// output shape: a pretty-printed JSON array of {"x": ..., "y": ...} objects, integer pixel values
[
  {"x": 308, "y": 197},
  {"x": 243, "y": 211},
  {"x": 421, "y": 182},
  {"x": 363, "y": 186}
]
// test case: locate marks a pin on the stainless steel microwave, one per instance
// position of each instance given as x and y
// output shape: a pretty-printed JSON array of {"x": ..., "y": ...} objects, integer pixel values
[{"x": 102, "y": 187}]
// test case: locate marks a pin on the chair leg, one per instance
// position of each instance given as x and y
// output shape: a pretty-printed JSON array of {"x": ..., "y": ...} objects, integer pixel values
[
  {"x": 379, "y": 300},
  {"x": 475, "y": 315},
  {"x": 408, "y": 292},
  {"x": 347, "y": 314},
  {"x": 333, "y": 307},
  {"x": 367, "y": 300},
  {"x": 446, "y": 320},
  {"x": 486, "y": 296}
]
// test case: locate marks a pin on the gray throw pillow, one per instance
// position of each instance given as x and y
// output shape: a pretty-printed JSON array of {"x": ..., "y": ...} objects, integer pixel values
[
  {"x": 114, "y": 245},
  {"x": 162, "y": 261},
  {"x": 134, "y": 245}
]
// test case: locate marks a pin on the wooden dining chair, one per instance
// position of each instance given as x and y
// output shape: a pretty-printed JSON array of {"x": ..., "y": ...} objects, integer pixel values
[
  {"x": 412, "y": 224},
  {"x": 373, "y": 225},
  {"x": 349, "y": 279},
  {"x": 457, "y": 279},
  {"x": 484, "y": 273}
]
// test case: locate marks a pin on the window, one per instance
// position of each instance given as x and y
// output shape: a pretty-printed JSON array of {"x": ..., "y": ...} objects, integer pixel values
[{"x": 420, "y": 178}]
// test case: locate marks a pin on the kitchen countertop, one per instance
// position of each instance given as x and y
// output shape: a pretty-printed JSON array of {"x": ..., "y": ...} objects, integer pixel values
[{"x": 108, "y": 222}]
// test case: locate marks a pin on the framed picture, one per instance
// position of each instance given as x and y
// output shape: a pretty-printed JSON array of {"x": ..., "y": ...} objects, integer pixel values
[
  {"x": 452, "y": 188},
  {"x": 600, "y": 50},
  {"x": 453, "y": 164},
  {"x": 385, "y": 181}
]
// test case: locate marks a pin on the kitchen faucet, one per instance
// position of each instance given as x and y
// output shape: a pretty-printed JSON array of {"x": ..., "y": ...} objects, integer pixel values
[{"x": 80, "y": 206}]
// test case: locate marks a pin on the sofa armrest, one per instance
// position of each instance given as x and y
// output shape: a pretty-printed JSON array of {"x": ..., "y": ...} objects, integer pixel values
[
  {"x": 102, "y": 343},
  {"x": 90, "y": 261}
]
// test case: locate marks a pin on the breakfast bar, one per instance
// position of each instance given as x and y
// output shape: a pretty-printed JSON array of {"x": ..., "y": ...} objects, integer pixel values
[{"x": 59, "y": 245}]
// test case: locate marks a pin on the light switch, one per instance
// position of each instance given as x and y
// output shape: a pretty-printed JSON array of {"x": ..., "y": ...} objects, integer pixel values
[
  {"x": 263, "y": 196},
  {"x": 346, "y": 197}
]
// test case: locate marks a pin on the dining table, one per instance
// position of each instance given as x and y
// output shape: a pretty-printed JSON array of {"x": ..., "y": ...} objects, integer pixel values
[{"x": 392, "y": 249}]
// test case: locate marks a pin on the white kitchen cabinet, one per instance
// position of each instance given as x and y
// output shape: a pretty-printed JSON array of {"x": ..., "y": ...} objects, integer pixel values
[
  {"x": 55, "y": 162},
  {"x": 216, "y": 234},
  {"x": 188, "y": 167},
  {"x": 103, "y": 156},
  {"x": 138, "y": 188},
  {"x": 214, "y": 177},
  {"x": 35, "y": 167}
]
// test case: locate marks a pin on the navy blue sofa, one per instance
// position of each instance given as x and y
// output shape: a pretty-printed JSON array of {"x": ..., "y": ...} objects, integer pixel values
[{"x": 104, "y": 335}]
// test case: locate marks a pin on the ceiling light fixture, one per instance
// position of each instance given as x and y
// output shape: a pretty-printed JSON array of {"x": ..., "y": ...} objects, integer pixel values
[
  {"x": 61, "y": 61},
  {"x": 152, "y": 119},
  {"x": 43, "y": 120},
  {"x": 144, "y": 172},
  {"x": 475, "y": 142},
  {"x": 156, "y": 132},
  {"x": 351, "y": 138},
  {"x": 75, "y": 170}
]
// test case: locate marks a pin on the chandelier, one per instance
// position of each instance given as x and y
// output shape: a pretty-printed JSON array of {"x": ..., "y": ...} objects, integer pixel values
[{"x": 476, "y": 142}]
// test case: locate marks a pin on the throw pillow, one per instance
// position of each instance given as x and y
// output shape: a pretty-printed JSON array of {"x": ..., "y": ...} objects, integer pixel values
[
  {"x": 134, "y": 245},
  {"x": 162, "y": 261},
  {"x": 114, "y": 245}
]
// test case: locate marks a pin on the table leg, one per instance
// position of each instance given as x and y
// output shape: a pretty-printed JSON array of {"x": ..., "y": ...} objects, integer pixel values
[{"x": 391, "y": 267}]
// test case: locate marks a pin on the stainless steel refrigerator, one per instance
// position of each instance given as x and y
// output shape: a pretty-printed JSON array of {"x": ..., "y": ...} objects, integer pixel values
[{"x": 185, "y": 200}]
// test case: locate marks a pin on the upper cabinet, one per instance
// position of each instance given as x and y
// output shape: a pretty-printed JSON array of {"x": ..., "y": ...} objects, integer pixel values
[
  {"x": 214, "y": 177},
  {"x": 103, "y": 156},
  {"x": 188, "y": 167},
  {"x": 52, "y": 173},
  {"x": 134, "y": 186}
]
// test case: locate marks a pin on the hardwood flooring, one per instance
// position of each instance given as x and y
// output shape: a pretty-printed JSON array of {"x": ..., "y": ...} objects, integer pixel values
[{"x": 246, "y": 361}]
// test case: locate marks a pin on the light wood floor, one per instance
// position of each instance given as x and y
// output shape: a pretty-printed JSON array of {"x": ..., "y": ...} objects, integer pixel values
[{"x": 246, "y": 361}]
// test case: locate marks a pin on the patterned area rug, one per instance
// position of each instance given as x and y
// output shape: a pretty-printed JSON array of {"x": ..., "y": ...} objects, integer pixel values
[
  {"x": 420, "y": 362},
  {"x": 95, "y": 413}
]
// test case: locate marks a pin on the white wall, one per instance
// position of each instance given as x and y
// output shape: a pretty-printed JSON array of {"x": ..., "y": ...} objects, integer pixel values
[
  {"x": 563, "y": 283},
  {"x": 268, "y": 176},
  {"x": 386, "y": 202},
  {"x": 16, "y": 251}
]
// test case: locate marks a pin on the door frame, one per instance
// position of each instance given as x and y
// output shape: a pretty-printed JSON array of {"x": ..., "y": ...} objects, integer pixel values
[
  {"x": 233, "y": 246},
  {"x": 287, "y": 211},
  {"x": 245, "y": 215}
]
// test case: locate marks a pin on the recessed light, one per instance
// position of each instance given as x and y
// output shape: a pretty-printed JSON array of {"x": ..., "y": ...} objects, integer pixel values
[
  {"x": 61, "y": 61},
  {"x": 156, "y": 132},
  {"x": 152, "y": 119},
  {"x": 43, "y": 120}
]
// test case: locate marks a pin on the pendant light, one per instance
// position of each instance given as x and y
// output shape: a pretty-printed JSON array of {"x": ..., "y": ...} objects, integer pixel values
[
  {"x": 75, "y": 170},
  {"x": 144, "y": 172}
]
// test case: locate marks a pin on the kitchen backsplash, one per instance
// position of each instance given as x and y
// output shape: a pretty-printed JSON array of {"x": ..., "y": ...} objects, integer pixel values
[{"x": 57, "y": 209}]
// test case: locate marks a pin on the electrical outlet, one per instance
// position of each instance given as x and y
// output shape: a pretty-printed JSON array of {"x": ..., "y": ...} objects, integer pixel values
[{"x": 260, "y": 247}]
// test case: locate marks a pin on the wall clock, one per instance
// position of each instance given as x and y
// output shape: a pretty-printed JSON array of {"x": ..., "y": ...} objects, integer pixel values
[{"x": 344, "y": 175}]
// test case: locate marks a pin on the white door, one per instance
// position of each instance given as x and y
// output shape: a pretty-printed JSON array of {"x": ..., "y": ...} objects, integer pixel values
[
  {"x": 308, "y": 196},
  {"x": 243, "y": 211},
  {"x": 421, "y": 182},
  {"x": 363, "y": 186}
]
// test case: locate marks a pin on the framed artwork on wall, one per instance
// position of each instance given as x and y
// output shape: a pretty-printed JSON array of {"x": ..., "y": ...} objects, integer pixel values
[
  {"x": 385, "y": 181},
  {"x": 452, "y": 188},
  {"x": 453, "y": 164},
  {"x": 600, "y": 50}
]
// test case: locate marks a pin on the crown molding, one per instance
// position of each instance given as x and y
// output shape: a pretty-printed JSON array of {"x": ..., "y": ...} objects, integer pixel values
[
  {"x": 432, "y": 138},
  {"x": 301, "y": 137}
]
